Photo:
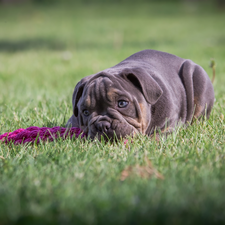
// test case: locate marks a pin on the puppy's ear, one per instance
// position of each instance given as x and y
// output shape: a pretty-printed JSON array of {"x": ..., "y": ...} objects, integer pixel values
[
  {"x": 144, "y": 82},
  {"x": 78, "y": 91}
]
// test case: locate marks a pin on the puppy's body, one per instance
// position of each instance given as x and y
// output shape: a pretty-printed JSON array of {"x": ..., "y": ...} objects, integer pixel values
[{"x": 161, "y": 90}]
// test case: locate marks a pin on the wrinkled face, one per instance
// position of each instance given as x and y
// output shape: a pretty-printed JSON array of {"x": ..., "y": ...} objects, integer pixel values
[{"x": 112, "y": 109}]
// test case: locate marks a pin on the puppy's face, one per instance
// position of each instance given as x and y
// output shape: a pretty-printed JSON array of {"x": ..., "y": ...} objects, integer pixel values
[{"x": 110, "y": 106}]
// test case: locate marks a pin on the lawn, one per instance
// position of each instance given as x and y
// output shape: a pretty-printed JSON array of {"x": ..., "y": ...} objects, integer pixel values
[{"x": 45, "y": 49}]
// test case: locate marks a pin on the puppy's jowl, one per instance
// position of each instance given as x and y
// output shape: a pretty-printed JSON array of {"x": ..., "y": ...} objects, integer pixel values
[{"x": 148, "y": 91}]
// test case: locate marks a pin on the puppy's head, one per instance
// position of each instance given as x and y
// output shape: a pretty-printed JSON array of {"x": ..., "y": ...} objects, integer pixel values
[{"x": 112, "y": 105}]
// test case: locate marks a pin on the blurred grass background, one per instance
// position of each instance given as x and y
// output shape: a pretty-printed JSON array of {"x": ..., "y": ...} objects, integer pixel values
[{"x": 46, "y": 47}]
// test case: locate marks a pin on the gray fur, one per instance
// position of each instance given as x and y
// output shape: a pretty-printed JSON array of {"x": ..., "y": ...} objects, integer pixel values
[{"x": 163, "y": 90}]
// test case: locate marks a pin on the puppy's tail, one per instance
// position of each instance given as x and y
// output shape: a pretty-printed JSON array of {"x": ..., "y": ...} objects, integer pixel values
[{"x": 213, "y": 66}]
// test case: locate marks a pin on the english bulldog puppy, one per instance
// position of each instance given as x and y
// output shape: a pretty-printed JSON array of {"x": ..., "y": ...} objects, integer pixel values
[{"x": 147, "y": 92}]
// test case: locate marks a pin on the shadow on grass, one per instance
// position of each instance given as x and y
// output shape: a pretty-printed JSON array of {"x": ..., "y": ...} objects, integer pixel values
[
  {"x": 27, "y": 44},
  {"x": 55, "y": 45}
]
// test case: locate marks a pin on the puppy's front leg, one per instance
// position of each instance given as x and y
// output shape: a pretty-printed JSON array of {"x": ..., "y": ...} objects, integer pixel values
[{"x": 72, "y": 122}]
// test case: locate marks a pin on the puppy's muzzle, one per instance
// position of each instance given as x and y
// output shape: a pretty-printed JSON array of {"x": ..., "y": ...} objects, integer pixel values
[{"x": 102, "y": 126}]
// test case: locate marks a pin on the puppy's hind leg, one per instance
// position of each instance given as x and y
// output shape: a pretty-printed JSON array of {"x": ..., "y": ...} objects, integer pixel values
[{"x": 199, "y": 90}]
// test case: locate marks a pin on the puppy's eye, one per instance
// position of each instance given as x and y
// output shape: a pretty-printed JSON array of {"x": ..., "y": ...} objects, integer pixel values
[
  {"x": 86, "y": 112},
  {"x": 122, "y": 103}
]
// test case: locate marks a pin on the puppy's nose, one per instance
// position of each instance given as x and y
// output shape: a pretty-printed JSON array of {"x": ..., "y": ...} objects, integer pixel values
[{"x": 103, "y": 126}]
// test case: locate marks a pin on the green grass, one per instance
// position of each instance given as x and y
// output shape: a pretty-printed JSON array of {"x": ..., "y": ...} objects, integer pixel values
[{"x": 44, "y": 52}]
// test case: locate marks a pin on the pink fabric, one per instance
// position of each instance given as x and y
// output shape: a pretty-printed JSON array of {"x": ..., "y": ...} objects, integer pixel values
[{"x": 35, "y": 134}]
